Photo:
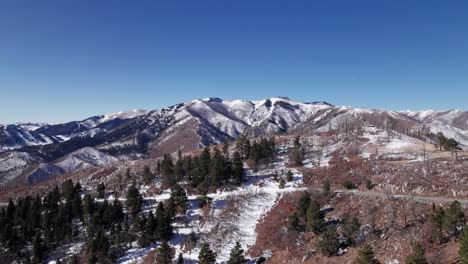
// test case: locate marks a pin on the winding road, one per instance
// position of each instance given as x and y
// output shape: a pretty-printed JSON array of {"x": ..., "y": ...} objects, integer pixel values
[{"x": 424, "y": 199}]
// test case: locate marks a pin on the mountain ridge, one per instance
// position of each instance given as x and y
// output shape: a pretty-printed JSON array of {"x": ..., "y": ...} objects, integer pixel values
[{"x": 202, "y": 122}]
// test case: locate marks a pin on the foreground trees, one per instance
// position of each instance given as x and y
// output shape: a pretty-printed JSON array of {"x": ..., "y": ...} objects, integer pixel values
[
  {"x": 296, "y": 153},
  {"x": 206, "y": 255},
  {"x": 237, "y": 255},
  {"x": 366, "y": 256},
  {"x": 463, "y": 251},
  {"x": 417, "y": 255},
  {"x": 30, "y": 228}
]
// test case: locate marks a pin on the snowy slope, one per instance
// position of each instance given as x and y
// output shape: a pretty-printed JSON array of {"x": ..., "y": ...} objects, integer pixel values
[
  {"x": 35, "y": 134},
  {"x": 453, "y": 123},
  {"x": 202, "y": 122},
  {"x": 78, "y": 160}
]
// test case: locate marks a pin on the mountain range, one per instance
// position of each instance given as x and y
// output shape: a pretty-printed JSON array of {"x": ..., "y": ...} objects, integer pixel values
[{"x": 37, "y": 151}]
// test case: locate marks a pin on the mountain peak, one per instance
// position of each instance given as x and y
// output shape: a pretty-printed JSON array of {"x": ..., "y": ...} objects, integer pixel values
[{"x": 212, "y": 99}]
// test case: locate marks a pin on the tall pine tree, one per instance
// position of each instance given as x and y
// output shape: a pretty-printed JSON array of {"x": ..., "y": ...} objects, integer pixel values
[{"x": 237, "y": 255}]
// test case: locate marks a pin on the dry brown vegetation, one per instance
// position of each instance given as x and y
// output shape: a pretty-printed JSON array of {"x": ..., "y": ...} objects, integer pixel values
[{"x": 389, "y": 225}]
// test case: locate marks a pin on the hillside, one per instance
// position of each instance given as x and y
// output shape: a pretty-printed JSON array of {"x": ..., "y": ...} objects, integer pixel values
[{"x": 193, "y": 125}]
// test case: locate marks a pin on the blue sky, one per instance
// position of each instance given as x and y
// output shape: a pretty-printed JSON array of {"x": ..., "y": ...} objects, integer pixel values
[{"x": 70, "y": 59}]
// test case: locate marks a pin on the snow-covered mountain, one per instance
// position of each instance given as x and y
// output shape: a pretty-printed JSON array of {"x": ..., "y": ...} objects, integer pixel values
[
  {"x": 20, "y": 135},
  {"x": 452, "y": 123},
  {"x": 202, "y": 122}
]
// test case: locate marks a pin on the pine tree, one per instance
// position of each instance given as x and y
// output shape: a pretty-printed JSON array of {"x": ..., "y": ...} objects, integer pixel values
[
  {"x": 463, "y": 251},
  {"x": 68, "y": 190},
  {"x": 326, "y": 187},
  {"x": 180, "y": 259},
  {"x": 88, "y": 205},
  {"x": 117, "y": 211},
  {"x": 164, "y": 223},
  {"x": 167, "y": 171},
  {"x": 366, "y": 256},
  {"x": 217, "y": 169},
  {"x": 236, "y": 256},
  {"x": 349, "y": 229},
  {"x": 315, "y": 218},
  {"x": 303, "y": 205},
  {"x": 296, "y": 153},
  {"x": 282, "y": 183},
  {"x": 329, "y": 244},
  {"x": 438, "y": 219},
  {"x": 237, "y": 169},
  {"x": 206, "y": 255},
  {"x": 226, "y": 149},
  {"x": 148, "y": 177},
  {"x": 289, "y": 176},
  {"x": 101, "y": 191},
  {"x": 179, "y": 196},
  {"x": 204, "y": 162},
  {"x": 133, "y": 201},
  {"x": 164, "y": 254},
  {"x": 243, "y": 146},
  {"x": 39, "y": 249},
  {"x": 416, "y": 256},
  {"x": 294, "y": 222},
  {"x": 454, "y": 218},
  {"x": 179, "y": 171},
  {"x": 77, "y": 206}
]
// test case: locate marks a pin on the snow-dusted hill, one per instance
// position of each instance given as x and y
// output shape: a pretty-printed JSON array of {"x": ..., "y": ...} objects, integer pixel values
[
  {"x": 20, "y": 135},
  {"x": 453, "y": 123},
  {"x": 202, "y": 122}
]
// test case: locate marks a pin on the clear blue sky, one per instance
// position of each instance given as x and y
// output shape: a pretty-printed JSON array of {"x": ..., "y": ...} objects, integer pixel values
[{"x": 70, "y": 59}]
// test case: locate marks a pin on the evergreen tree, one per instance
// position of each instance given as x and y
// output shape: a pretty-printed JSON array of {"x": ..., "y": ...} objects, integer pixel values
[
  {"x": 117, "y": 211},
  {"x": 226, "y": 149},
  {"x": 296, "y": 153},
  {"x": 88, "y": 205},
  {"x": 180, "y": 259},
  {"x": 206, "y": 255},
  {"x": 148, "y": 177},
  {"x": 416, "y": 256},
  {"x": 237, "y": 255},
  {"x": 164, "y": 223},
  {"x": 289, "y": 176},
  {"x": 303, "y": 205},
  {"x": 326, "y": 187},
  {"x": 101, "y": 191},
  {"x": 237, "y": 169},
  {"x": 100, "y": 244},
  {"x": 217, "y": 169},
  {"x": 315, "y": 218},
  {"x": 68, "y": 190},
  {"x": 164, "y": 254},
  {"x": 167, "y": 171},
  {"x": 133, "y": 201},
  {"x": 329, "y": 244},
  {"x": 282, "y": 183},
  {"x": 188, "y": 166},
  {"x": 179, "y": 171},
  {"x": 179, "y": 196},
  {"x": 366, "y": 256},
  {"x": 77, "y": 206},
  {"x": 438, "y": 219},
  {"x": 204, "y": 162},
  {"x": 294, "y": 222},
  {"x": 350, "y": 227},
  {"x": 243, "y": 146},
  {"x": 463, "y": 251},
  {"x": 454, "y": 218},
  {"x": 39, "y": 249}
]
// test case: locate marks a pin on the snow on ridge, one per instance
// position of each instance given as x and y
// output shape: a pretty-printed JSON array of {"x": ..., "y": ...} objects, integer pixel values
[
  {"x": 124, "y": 114},
  {"x": 85, "y": 157}
]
